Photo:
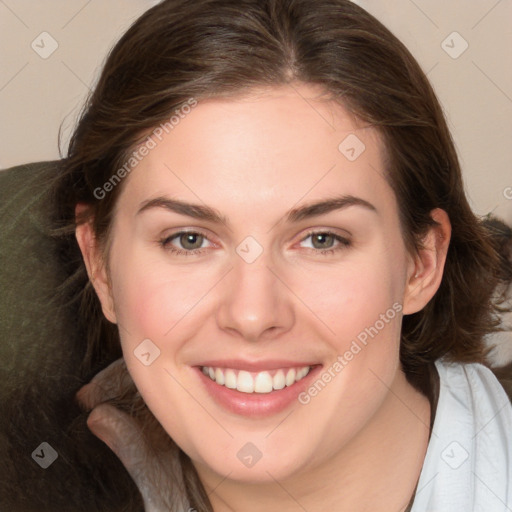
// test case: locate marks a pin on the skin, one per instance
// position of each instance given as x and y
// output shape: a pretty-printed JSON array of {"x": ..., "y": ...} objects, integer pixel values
[{"x": 360, "y": 443}]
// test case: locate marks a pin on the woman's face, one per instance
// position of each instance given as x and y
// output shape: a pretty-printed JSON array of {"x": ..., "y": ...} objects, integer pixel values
[{"x": 273, "y": 280}]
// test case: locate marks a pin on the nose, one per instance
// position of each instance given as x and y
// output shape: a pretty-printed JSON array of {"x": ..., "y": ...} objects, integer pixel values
[{"x": 255, "y": 303}]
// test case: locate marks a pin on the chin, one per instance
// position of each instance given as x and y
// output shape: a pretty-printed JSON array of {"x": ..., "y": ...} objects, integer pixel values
[{"x": 248, "y": 464}]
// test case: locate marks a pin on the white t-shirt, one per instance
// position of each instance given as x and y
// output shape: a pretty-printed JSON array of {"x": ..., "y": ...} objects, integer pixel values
[{"x": 468, "y": 465}]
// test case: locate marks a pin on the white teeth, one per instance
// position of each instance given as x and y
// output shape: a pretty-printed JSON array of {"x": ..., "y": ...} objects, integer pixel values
[
  {"x": 219, "y": 376},
  {"x": 302, "y": 373},
  {"x": 278, "y": 382},
  {"x": 290, "y": 377},
  {"x": 245, "y": 382},
  {"x": 260, "y": 382},
  {"x": 263, "y": 383},
  {"x": 230, "y": 378}
]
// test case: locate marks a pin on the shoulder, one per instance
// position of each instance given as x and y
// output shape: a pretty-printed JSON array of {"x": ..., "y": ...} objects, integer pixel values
[
  {"x": 471, "y": 392},
  {"x": 504, "y": 376},
  {"x": 473, "y": 380},
  {"x": 470, "y": 448}
]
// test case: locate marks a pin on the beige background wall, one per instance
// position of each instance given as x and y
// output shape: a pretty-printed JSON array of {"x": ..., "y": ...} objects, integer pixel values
[{"x": 474, "y": 84}]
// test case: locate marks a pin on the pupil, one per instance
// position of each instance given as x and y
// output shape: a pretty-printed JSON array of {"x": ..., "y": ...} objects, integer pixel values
[
  {"x": 322, "y": 238},
  {"x": 189, "y": 238}
]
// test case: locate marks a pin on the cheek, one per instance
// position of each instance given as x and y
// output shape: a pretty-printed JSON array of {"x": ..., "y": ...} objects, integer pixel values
[
  {"x": 354, "y": 295},
  {"x": 151, "y": 297}
]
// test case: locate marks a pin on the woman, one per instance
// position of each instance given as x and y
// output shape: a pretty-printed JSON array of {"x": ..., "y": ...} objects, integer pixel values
[{"x": 270, "y": 210}]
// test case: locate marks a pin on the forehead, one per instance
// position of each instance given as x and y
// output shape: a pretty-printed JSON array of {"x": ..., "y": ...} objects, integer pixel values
[{"x": 267, "y": 150}]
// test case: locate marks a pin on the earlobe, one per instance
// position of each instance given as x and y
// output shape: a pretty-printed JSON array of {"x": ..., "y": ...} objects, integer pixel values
[
  {"x": 94, "y": 264},
  {"x": 426, "y": 271}
]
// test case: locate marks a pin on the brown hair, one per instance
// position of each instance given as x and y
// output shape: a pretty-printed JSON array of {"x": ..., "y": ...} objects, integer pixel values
[{"x": 220, "y": 48}]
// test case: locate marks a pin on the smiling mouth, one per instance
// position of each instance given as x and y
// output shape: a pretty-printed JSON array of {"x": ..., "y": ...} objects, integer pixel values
[{"x": 256, "y": 382}]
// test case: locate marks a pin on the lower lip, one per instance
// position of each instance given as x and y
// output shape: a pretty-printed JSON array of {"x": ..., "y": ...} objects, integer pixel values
[{"x": 256, "y": 404}]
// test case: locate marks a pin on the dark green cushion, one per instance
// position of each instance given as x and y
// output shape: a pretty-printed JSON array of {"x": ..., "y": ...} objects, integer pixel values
[
  {"x": 29, "y": 276},
  {"x": 40, "y": 354}
]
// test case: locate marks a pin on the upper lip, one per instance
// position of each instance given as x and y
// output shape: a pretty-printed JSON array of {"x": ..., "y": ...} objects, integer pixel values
[{"x": 254, "y": 366}]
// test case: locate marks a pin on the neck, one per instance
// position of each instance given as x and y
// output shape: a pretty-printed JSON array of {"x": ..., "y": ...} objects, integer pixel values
[{"x": 377, "y": 471}]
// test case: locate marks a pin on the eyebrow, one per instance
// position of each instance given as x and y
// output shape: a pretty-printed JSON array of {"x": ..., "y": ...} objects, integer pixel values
[{"x": 206, "y": 213}]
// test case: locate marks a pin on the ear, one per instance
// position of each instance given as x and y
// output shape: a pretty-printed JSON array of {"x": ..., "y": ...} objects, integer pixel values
[
  {"x": 96, "y": 269},
  {"x": 425, "y": 270}
]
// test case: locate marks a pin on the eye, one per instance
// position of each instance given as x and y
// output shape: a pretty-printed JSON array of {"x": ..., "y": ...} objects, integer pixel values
[
  {"x": 325, "y": 242},
  {"x": 191, "y": 241}
]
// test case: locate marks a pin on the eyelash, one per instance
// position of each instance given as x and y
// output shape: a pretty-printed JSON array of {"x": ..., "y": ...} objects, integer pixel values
[
  {"x": 165, "y": 243},
  {"x": 343, "y": 243}
]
